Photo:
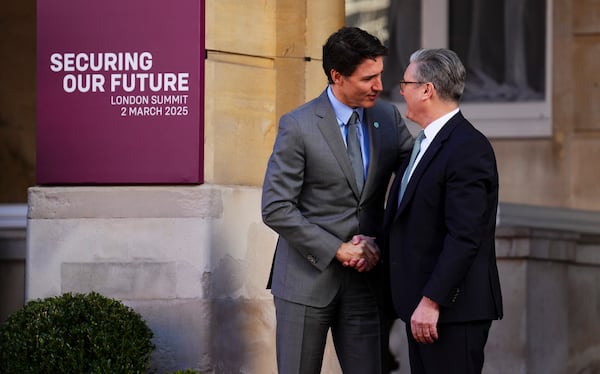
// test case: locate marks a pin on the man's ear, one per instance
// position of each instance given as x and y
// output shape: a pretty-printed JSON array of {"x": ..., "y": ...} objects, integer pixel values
[
  {"x": 428, "y": 90},
  {"x": 336, "y": 76}
]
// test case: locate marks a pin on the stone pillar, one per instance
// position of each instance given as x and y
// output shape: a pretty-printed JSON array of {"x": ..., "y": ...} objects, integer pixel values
[{"x": 263, "y": 59}]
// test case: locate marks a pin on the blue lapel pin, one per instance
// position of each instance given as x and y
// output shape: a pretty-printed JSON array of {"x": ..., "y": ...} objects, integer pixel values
[{"x": 376, "y": 125}]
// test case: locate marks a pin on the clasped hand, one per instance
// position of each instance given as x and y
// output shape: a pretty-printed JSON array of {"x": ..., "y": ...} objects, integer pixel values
[{"x": 360, "y": 253}]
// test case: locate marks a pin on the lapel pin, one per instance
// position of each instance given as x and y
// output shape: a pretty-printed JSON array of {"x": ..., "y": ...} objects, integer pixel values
[{"x": 376, "y": 125}]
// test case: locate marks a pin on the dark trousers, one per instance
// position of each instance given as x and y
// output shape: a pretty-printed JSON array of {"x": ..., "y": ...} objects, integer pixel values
[
  {"x": 459, "y": 349},
  {"x": 356, "y": 328}
]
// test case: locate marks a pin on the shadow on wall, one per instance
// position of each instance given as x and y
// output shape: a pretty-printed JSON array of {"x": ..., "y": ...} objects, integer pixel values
[{"x": 13, "y": 223}]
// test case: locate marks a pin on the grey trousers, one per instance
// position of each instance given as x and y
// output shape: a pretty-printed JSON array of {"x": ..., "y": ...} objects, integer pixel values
[{"x": 356, "y": 328}]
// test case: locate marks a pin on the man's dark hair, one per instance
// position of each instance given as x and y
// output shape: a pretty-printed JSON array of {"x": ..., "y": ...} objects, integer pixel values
[{"x": 349, "y": 47}]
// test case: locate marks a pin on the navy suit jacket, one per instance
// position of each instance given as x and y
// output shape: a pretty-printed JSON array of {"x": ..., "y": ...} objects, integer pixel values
[{"x": 440, "y": 241}]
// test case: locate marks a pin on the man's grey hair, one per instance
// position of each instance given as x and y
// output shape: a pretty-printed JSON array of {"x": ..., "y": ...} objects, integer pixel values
[{"x": 443, "y": 69}]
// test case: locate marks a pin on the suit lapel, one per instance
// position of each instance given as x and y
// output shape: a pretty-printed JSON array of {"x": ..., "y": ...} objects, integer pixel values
[
  {"x": 391, "y": 208},
  {"x": 427, "y": 158},
  {"x": 372, "y": 126},
  {"x": 329, "y": 127}
]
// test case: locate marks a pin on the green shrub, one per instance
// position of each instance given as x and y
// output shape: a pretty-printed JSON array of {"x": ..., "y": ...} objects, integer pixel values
[{"x": 75, "y": 333}]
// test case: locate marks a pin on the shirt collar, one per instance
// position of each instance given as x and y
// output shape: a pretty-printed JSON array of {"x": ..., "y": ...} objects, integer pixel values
[
  {"x": 434, "y": 127},
  {"x": 342, "y": 111}
]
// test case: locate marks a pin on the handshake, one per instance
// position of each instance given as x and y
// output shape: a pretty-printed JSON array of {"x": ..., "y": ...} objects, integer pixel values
[{"x": 360, "y": 253}]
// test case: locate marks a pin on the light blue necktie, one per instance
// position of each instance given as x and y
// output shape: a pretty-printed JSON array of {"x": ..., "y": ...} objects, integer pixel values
[
  {"x": 413, "y": 157},
  {"x": 354, "y": 152}
]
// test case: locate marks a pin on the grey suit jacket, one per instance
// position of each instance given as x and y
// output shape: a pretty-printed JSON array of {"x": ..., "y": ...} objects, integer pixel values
[{"x": 311, "y": 200}]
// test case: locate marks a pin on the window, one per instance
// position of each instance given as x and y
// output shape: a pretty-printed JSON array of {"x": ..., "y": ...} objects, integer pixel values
[{"x": 504, "y": 44}]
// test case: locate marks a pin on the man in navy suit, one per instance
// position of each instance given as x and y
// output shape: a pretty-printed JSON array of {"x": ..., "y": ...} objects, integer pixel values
[
  {"x": 440, "y": 224},
  {"x": 328, "y": 212}
]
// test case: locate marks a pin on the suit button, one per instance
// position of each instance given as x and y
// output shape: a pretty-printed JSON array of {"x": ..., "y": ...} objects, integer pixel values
[
  {"x": 312, "y": 259},
  {"x": 455, "y": 295}
]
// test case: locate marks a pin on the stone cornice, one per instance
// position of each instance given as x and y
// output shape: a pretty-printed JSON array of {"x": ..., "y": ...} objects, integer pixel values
[{"x": 548, "y": 218}]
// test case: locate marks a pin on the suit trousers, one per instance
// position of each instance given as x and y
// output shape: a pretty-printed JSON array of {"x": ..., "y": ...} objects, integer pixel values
[
  {"x": 458, "y": 350},
  {"x": 355, "y": 322}
]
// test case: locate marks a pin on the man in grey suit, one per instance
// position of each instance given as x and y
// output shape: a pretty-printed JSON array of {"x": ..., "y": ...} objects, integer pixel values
[{"x": 327, "y": 271}]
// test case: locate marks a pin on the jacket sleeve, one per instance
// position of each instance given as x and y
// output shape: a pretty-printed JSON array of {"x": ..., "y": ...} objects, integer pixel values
[
  {"x": 469, "y": 216},
  {"x": 282, "y": 188}
]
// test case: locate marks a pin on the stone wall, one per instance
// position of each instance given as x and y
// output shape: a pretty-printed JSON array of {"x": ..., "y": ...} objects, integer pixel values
[
  {"x": 195, "y": 262},
  {"x": 549, "y": 263}
]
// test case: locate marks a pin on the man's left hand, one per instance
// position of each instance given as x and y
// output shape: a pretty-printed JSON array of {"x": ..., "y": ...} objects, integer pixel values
[{"x": 423, "y": 322}]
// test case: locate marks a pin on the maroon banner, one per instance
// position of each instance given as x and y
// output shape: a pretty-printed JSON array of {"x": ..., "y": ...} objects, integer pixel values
[{"x": 120, "y": 91}]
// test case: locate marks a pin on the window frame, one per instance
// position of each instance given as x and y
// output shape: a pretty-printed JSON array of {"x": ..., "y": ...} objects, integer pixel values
[{"x": 500, "y": 119}]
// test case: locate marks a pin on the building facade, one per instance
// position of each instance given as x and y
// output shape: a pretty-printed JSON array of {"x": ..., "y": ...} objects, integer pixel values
[{"x": 194, "y": 260}]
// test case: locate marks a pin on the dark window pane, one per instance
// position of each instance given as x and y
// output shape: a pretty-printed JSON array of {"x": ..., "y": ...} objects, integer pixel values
[
  {"x": 404, "y": 24},
  {"x": 502, "y": 44},
  {"x": 397, "y": 23}
]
